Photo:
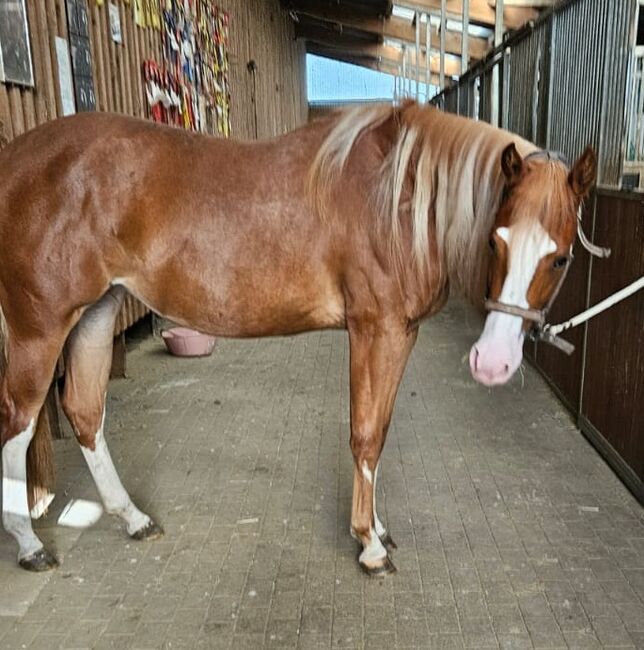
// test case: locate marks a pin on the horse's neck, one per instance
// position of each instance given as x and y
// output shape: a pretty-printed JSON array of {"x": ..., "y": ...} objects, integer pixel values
[{"x": 468, "y": 194}]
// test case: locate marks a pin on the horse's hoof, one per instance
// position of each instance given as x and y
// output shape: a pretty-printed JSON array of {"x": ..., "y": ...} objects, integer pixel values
[
  {"x": 385, "y": 568},
  {"x": 149, "y": 532},
  {"x": 388, "y": 543},
  {"x": 41, "y": 560}
]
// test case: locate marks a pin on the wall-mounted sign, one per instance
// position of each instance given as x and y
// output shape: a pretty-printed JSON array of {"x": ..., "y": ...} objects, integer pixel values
[
  {"x": 15, "y": 52},
  {"x": 78, "y": 29},
  {"x": 65, "y": 80}
]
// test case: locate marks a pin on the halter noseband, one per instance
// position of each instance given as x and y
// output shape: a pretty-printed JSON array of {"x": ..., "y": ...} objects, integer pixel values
[{"x": 538, "y": 316}]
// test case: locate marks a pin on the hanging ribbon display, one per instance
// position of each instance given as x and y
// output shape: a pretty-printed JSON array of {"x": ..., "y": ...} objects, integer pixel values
[{"x": 190, "y": 88}]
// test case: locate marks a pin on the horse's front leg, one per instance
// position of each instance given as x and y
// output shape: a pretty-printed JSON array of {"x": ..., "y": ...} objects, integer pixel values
[{"x": 378, "y": 358}]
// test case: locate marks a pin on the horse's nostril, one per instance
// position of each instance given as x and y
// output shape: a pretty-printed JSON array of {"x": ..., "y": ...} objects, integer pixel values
[{"x": 506, "y": 368}]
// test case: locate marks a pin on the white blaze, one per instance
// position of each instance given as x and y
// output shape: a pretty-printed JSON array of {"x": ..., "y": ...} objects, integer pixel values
[
  {"x": 526, "y": 246},
  {"x": 499, "y": 350}
]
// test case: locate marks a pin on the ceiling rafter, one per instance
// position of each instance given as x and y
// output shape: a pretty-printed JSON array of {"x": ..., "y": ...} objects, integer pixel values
[
  {"x": 481, "y": 12},
  {"x": 393, "y": 28}
]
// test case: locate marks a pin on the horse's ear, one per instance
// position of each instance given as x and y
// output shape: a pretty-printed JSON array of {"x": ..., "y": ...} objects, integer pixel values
[
  {"x": 511, "y": 163},
  {"x": 584, "y": 172}
]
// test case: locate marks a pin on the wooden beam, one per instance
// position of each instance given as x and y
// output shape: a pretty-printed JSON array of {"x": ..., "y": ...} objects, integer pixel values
[
  {"x": 480, "y": 11},
  {"x": 391, "y": 54},
  {"x": 381, "y": 65},
  {"x": 532, "y": 4},
  {"x": 396, "y": 29}
]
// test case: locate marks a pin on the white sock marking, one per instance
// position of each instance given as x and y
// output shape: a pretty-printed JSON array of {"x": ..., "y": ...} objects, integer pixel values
[
  {"x": 115, "y": 498},
  {"x": 373, "y": 551},
  {"x": 15, "y": 505},
  {"x": 380, "y": 529},
  {"x": 366, "y": 472}
]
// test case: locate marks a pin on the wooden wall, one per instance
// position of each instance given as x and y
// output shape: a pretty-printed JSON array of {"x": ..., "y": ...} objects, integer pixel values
[
  {"x": 603, "y": 382},
  {"x": 118, "y": 83},
  {"x": 266, "y": 101},
  {"x": 275, "y": 93}
]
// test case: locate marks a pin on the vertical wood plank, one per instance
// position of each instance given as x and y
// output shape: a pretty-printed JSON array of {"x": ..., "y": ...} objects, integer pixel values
[
  {"x": 6, "y": 126},
  {"x": 37, "y": 46},
  {"x": 17, "y": 115}
]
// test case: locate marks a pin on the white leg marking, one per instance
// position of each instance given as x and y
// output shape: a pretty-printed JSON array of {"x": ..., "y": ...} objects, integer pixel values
[
  {"x": 15, "y": 508},
  {"x": 116, "y": 500},
  {"x": 380, "y": 529},
  {"x": 373, "y": 551},
  {"x": 366, "y": 472}
]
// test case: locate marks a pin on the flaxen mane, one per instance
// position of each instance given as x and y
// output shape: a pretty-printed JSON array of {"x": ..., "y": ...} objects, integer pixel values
[{"x": 457, "y": 181}]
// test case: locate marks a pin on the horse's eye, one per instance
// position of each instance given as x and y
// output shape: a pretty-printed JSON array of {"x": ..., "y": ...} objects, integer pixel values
[
  {"x": 492, "y": 244},
  {"x": 560, "y": 261}
]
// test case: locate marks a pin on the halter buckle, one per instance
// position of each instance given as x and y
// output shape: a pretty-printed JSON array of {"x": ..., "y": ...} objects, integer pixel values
[{"x": 544, "y": 335}]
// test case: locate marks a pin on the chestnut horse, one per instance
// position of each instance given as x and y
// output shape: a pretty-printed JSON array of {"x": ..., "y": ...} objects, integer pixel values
[{"x": 358, "y": 221}]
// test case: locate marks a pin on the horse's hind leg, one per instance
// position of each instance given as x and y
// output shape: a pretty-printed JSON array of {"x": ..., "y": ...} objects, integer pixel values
[
  {"x": 23, "y": 389},
  {"x": 88, "y": 356}
]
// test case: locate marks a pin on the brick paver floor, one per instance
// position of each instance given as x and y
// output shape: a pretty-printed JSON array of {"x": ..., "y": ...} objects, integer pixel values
[{"x": 511, "y": 531}]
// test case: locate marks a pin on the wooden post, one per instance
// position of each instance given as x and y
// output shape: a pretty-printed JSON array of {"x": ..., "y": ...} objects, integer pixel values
[
  {"x": 118, "y": 356},
  {"x": 428, "y": 44},
  {"x": 417, "y": 22},
  {"x": 465, "y": 36},
  {"x": 442, "y": 51}
]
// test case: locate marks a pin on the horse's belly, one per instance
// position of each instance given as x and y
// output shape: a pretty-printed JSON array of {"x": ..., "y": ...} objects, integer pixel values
[{"x": 238, "y": 312}]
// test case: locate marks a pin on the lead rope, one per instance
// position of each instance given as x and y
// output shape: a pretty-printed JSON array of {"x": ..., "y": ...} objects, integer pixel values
[{"x": 622, "y": 294}]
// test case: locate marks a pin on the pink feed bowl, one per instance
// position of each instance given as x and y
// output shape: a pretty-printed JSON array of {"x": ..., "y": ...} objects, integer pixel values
[{"x": 184, "y": 342}]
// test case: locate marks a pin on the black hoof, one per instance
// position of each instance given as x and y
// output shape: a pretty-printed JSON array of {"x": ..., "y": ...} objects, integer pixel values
[
  {"x": 385, "y": 568},
  {"x": 388, "y": 543},
  {"x": 149, "y": 532},
  {"x": 41, "y": 560}
]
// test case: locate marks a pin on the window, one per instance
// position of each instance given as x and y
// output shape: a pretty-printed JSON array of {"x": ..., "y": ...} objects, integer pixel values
[{"x": 15, "y": 53}]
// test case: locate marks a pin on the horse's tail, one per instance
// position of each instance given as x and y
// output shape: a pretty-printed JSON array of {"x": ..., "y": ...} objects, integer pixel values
[
  {"x": 40, "y": 455},
  {"x": 40, "y": 467}
]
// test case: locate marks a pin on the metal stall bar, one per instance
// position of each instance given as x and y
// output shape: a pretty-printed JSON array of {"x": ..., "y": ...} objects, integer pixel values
[{"x": 498, "y": 38}]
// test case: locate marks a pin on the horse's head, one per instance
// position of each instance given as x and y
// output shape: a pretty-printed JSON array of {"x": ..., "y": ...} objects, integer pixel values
[{"x": 530, "y": 248}]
